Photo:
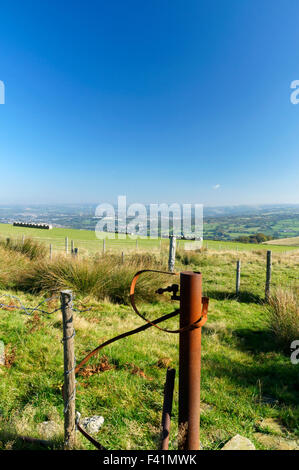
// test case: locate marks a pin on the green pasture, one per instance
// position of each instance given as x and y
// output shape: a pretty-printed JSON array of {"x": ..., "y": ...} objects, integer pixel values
[
  {"x": 246, "y": 377},
  {"x": 87, "y": 242}
]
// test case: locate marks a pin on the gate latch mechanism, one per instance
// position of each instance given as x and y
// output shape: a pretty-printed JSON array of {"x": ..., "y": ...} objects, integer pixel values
[{"x": 174, "y": 288}]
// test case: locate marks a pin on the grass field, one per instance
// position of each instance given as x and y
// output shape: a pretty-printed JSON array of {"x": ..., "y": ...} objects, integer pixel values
[
  {"x": 245, "y": 376},
  {"x": 235, "y": 246},
  {"x": 294, "y": 241},
  {"x": 87, "y": 242}
]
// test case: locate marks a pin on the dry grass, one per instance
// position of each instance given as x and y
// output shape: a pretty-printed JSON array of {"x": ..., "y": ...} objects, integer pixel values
[
  {"x": 292, "y": 241},
  {"x": 30, "y": 248},
  {"x": 189, "y": 257},
  {"x": 10, "y": 265},
  {"x": 103, "y": 277},
  {"x": 284, "y": 315}
]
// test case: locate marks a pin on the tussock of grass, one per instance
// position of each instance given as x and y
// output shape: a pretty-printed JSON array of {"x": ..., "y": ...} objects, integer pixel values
[
  {"x": 284, "y": 316},
  {"x": 103, "y": 278},
  {"x": 10, "y": 265},
  {"x": 30, "y": 248},
  {"x": 188, "y": 257}
]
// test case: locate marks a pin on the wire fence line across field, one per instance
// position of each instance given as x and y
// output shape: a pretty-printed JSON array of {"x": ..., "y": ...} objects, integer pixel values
[
  {"x": 72, "y": 246},
  {"x": 66, "y": 244},
  {"x": 31, "y": 310}
]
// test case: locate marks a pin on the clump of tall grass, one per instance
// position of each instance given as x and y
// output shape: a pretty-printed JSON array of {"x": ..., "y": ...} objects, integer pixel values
[
  {"x": 10, "y": 267},
  {"x": 283, "y": 317},
  {"x": 197, "y": 258},
  {"x": 104, "y": 277},
  {"x": 189, "y": 257},
  {"x": 28, "y": 247}
]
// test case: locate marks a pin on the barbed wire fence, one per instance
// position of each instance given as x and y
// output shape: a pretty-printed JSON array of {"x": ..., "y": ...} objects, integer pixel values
[
  {"x": 69, "y": 389},
  {"x": 31, "y": 310},
  {"x": 193, "y": 315},
  {"x": 72, "y": 247}
]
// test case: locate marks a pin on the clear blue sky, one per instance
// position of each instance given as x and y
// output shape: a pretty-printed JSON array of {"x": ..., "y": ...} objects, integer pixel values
[{"x": 161, "y": 100}]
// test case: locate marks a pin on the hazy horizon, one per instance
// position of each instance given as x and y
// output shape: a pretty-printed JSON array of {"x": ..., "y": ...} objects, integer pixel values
[{"x": 83, "y": 204}]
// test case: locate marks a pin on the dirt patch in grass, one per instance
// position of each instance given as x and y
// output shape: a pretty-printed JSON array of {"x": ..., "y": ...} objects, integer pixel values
[
  {"x": 103, "y": 366},
  {"x": 135, "y": 370},
  {"x": 34, "y": 323},
  {"x": 10, "y": 355}
]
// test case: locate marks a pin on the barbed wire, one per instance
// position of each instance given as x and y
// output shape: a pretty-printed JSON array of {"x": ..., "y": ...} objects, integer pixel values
[
  {"x": 18, "y": 305},
  {"x": 31, "y": 310}
]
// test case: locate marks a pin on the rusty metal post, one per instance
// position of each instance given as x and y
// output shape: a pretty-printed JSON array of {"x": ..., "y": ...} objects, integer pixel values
[
  {"x": 190, "y": 361},
  {"x": 167, "y": 408}
]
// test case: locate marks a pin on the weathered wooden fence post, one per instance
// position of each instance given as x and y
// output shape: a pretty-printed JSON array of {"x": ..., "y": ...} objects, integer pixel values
[
  {"x": 238, "y": 275},
  {"x": 50, "y": 251},
  {"x": 104, "y": 246},
  {"x": 66, "y": 245},
  {"x": 122, "y": 257},
  {"x": 69, "y": 389},
  {"x": 172, "y": 247},
  {"x": 72, "y": 247},
  {"x": 268, "y": 275}
]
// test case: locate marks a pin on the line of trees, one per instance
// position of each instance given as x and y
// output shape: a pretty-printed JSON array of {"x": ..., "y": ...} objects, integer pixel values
[{"x": 257, "y": 238}]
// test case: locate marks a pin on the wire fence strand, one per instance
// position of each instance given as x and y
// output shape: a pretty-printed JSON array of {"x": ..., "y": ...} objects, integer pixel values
[{"x": 31, "y": 310}]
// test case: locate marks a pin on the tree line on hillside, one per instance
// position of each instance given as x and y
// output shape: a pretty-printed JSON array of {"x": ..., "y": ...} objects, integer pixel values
[{"x": 257, "y": 238}]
